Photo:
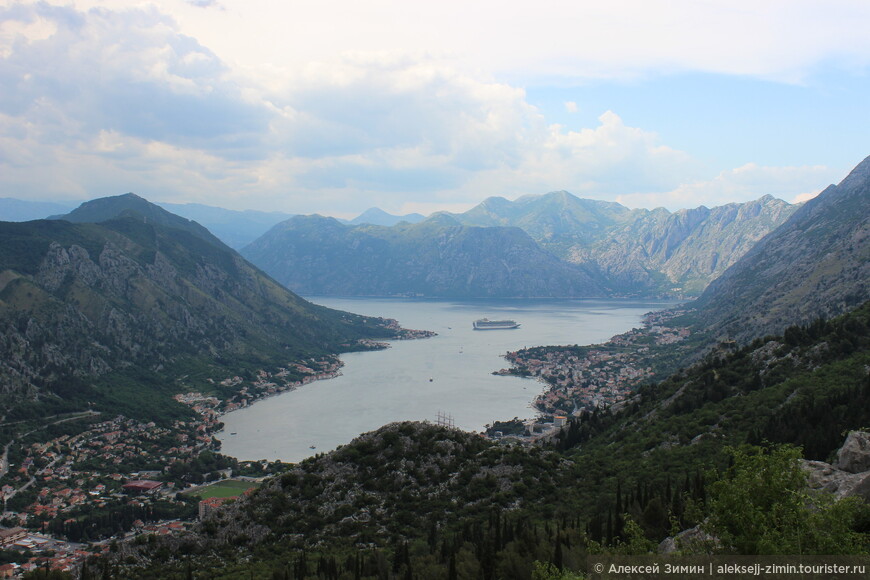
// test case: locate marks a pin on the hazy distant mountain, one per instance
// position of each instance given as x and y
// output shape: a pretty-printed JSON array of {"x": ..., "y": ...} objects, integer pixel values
[
  {"x": 144, "y": 296},
  {"x": 236, "y": 229},
  {"x": 378, "y": 217},
  {"x": 438, "y": 257},
  {"x": 617, "y": 250},
  {"x": 640, "y": 251},
  {"x": 815, "y": 264},
  {"x": 557, "y": 219},
  {"x": 20, "y": 210}
]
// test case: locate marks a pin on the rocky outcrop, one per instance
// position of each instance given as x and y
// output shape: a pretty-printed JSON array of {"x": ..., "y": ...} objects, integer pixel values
[
  {"x": 854, "y": 455},
  {"x": 692, "y": 541},
  {"x": 850, "y": 475}
]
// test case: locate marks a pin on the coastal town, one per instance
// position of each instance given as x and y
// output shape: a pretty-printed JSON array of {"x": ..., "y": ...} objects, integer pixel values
[
  {"x": 82, "y": 482},
  {"x": 88, "y": 481},
  {"x": 64, "y": 486},
  {"x": 588, "y": 377},
  {"x": 93, "y": 480}
]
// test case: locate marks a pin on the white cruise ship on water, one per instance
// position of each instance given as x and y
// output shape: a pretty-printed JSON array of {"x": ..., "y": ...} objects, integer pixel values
[{"x": 487, "y": 324}]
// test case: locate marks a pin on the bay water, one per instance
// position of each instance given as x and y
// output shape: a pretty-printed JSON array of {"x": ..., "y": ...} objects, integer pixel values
[{"x": 449, "y": 374}]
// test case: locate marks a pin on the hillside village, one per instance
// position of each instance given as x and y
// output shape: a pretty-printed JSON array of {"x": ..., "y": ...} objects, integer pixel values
[{"x": 127, "y": 470}]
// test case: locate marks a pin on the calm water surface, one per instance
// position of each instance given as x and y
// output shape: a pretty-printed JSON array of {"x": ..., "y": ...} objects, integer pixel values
[{"x": 415, "y": 380}]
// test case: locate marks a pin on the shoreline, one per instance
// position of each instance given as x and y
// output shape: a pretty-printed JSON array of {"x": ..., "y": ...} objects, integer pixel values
[
  {"x": 404, "y": 381},
  {"x": 211, "y": 408}
]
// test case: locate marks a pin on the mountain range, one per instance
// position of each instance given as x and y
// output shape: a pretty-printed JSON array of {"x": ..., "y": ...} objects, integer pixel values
[
  {"x": 638, "y": 251},
  {"x": 235, "y": 228},
  {"x": 619, "y": 251},
  {"x": 553, "y": 245}
]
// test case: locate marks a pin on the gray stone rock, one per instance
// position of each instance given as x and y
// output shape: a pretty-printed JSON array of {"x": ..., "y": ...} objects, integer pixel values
[
  {"x": 692, "y": 541},
  {"x": 854, "y": 455},
  {"x": 825, "y": 477},
  {"x": 850, "y": 475}
]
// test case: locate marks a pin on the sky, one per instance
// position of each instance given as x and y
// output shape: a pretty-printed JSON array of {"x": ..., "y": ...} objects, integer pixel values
[{"x": 336, "y": 106}]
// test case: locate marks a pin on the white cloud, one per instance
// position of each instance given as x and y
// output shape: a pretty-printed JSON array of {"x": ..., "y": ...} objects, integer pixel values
[
  {"x": 775, "y": 39},
  {"x": 113, "y": 96},
  {"x": 129, "y": 71},
  {"x": 804, "y": 197}
]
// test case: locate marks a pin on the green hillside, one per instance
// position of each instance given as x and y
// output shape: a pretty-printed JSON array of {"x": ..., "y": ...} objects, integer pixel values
[
  {"x": 111, "y": 313},
  {"x": 420, "y": 499}
]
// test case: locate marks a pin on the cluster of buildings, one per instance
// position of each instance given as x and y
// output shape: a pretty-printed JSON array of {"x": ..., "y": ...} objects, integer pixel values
[
  {"x": 592, "y": 377},
  {"x": 60, "y": 555},
  {"x": 72, "y": 471},
  {"x": 108, "y": 463},
  {"x": 264, "y": 385},
  {"x": 120, "y": 460},
  {"x": 576, "y": 381}
]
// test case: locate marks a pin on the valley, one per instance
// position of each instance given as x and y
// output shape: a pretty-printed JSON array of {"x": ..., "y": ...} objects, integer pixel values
[
  {"x": 434, "y": 291},
  {"x": 139, "y": 332}
]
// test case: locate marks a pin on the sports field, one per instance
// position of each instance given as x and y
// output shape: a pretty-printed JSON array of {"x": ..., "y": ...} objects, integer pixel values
[{"x": 226, "y": 488}]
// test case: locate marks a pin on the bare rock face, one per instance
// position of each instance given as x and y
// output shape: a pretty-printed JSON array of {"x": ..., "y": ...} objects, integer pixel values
[
  {"x": 692, "y": 541},
  {"x": 854, "y": 455},
  {"x": 825, "y": 477},
  {"x": 850, "y": 476}
]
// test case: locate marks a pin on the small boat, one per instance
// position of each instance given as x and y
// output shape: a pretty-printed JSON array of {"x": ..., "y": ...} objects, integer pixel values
[
  {"x": 312, "y": 447},
  {"x": 233, "y": 433}
]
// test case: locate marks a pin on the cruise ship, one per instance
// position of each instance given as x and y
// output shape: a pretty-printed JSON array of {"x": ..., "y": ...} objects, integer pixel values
[{"x": 487, "y": 324}]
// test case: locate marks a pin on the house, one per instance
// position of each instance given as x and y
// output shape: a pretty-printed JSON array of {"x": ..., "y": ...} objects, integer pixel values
[
  {"x": 142, "y": 486},
  {"x": 8, "y": 536}
]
